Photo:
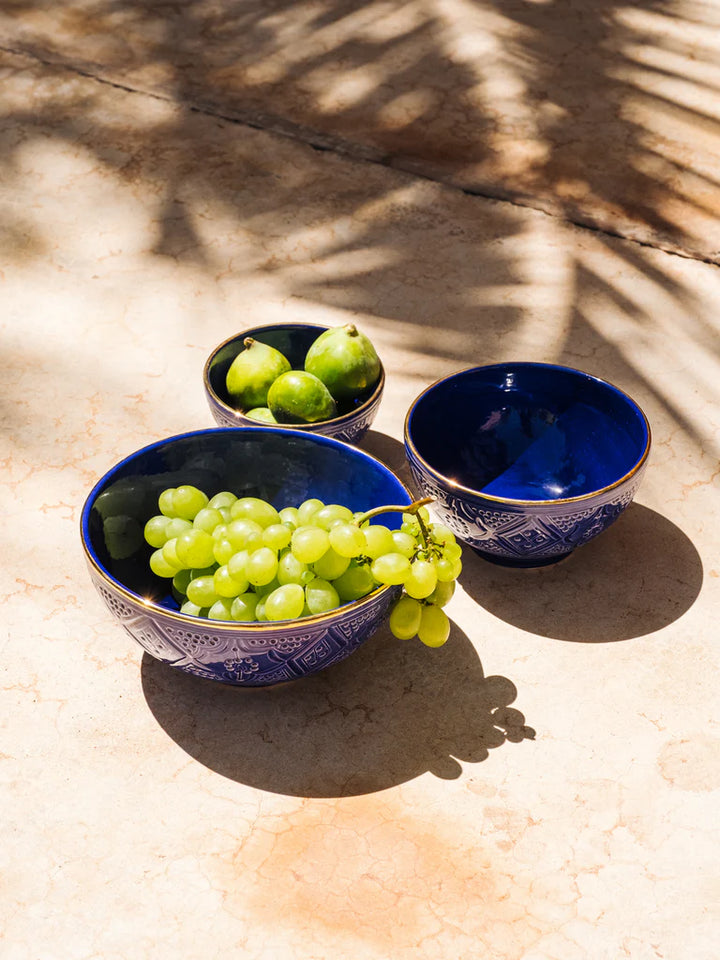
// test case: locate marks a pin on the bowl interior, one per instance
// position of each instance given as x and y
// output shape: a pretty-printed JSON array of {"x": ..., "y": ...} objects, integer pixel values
[
  {"x": 293, "y": 340},
  {"x": 282, "y": 466},
  {"x": 528, "y": 431}
]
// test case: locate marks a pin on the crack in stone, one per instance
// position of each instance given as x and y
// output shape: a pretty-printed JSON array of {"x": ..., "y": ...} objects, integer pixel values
[{"x": 326, "y": 143}]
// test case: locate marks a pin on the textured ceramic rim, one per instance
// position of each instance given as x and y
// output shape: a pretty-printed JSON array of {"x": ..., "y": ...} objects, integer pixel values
[
  {"x": 233, "y": 626},
  {"x": 310, "y": 427},
  {"x": 529, "y": 503}
]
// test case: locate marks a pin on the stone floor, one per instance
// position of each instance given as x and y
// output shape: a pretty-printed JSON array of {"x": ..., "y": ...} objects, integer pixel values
[{"x": 468, "y": 182}]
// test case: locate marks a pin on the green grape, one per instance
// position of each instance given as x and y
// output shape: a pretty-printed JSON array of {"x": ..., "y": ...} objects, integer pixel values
[
  {"x": 378, "y": 541},
  {"x": 262, "y": 566},
  {"x": 165, "y": 502},
  {"x": 434, "y": 626},
  {"x": 285, "y": 603},
  {"x": 220, "y": 532},
  {"x": 222, "y": 551},
  {"x": 290, "y": 517},
  {"x": 404, "y": 543},
  {"x": 252, "y": 508},
  {"x": 221, "y": 610},
  {"x": 262, "y": 590},
  {"x": 176, "y": 526},
  {"x": 203, "y": 571},
  {"x": 222, "y": 499},
  {"x": 201, "y": 590},
  {"x": 226, "y": 585},
  {"x": 308, "y": 509},
  {"x": 331, "y": 565},
  {"x": 347, "y": 540},
  {"x": 291, "y": 570},
  {"x": 181, "y": 580},
  {"x": 405, "y": 618},
  {"x": 224, "y": 513},
  {"x": 328, "y": 515},
  {"x": 155, "y": 531},
  {"x": 309, "y": 543},
  {"x": 188, "y": 501},
  {"x": 243, "y": 607},
  {"x": 321, "y": 596},
  {"x": 410, "y": 524},
  {"x": 245, "y": 534},
  {"x": 441, "y": 534},
  {"x": 356, "y": 582},
  {"x": 195, "y": 548},
  {"x": 169, "y": 552},
  {"x": 452, "y": 551},
  {"x": 422, "y": 580},
  {"x": 445, "y": 570},
  {"x": 391, "y": 568},
  {"x": 260, "y": 610},
  {"x": 424, "y": 514},
  {"x": 442, "y": 593},
  {"x": 193, "y": 610},
  {"x": 237, "y": 564},
  {"x": 159, "y": 565},
  {"x": 276, "y": 536},
  {"x": 207, "y": 519}
]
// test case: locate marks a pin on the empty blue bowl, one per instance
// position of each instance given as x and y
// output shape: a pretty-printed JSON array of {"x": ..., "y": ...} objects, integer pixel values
[
  {"x": 527, "y": 461},
  {"x": 282, "y": 466},
  {"x": 293, "y": 340}
]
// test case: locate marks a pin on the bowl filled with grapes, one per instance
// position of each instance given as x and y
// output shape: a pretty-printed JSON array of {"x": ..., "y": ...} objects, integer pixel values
[
  {"x": 302, "y": 376},
  {"x": 526, "y": 461},
  {"x": 256, "y": 556}
]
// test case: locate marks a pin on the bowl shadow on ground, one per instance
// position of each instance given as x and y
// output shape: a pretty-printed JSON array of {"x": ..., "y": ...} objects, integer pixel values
[
  {"x": 638, "y": 576},
  {"x": 390, "y": 712}
]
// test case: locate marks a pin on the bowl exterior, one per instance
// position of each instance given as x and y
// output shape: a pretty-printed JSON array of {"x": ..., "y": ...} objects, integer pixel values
[
  {"x": 351, "y": 428},
  {"x": 523, "y": 534},
  {"x": 260, "y": 656}
]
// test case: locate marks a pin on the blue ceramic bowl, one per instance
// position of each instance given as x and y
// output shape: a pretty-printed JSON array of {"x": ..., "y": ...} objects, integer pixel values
[
  {"x": 293, "y": 340},
  {"x": 527, "y": 461},
  {"x": 282, "y": 466}
]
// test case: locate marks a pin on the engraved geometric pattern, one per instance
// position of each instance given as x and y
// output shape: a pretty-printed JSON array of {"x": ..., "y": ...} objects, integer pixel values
[
  {"x": 233, "y": 655},
  {"x": 350, "y": 431},
  {"x": 524, "y": 532}
]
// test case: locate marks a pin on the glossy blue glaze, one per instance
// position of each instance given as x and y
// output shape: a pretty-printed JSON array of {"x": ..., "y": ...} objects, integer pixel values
[
  {"x": 282, "y": 466},
  {"x": 293, "y": 340},
  {"x": 526, "y": 460}
]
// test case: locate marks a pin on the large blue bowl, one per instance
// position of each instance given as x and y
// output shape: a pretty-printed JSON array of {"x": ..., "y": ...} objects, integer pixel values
[
  {"x": 527, "y": 461},
  {"x": 293, "y": 340},
  {"x": 282, "y": 466}
]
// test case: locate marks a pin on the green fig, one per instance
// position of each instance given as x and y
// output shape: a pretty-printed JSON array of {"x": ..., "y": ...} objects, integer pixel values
[
  {"x": 300, "y": 397},
  {"x": 251, "y": 373},
  {"x": 345, "y": 360},
  {"x": 263, "y": 414}
]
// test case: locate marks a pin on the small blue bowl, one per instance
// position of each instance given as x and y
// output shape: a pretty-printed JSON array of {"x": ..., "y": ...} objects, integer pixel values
[
  {"x": 527, "y": 461},
  {"x": 282, "y": 466},
  {"x": 293, "y": 340}
]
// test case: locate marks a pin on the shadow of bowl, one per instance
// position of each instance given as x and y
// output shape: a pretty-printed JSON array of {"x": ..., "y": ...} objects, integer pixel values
[
  {"x": 391, "y": 712},
  {"x": 638, "y": 577}
]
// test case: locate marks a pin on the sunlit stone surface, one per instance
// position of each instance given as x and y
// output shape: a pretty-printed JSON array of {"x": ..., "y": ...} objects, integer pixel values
[{"x": 545, "y": 786}]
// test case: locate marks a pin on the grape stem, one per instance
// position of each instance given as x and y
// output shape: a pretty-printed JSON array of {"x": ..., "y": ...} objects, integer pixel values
[{"x": 413, "y": 508}]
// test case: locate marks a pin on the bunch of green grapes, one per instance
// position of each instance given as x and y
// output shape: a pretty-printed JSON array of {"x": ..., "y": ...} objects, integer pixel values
[{"x": 240, "y": 559}]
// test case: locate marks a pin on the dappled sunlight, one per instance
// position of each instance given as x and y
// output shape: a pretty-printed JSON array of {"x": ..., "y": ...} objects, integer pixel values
[{"x": 602, "y": 115}]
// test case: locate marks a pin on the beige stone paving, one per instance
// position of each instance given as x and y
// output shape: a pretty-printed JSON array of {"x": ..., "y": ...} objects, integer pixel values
[
  {"x": 545, "y": 786},
  {"x": 604, "y": 113}
]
